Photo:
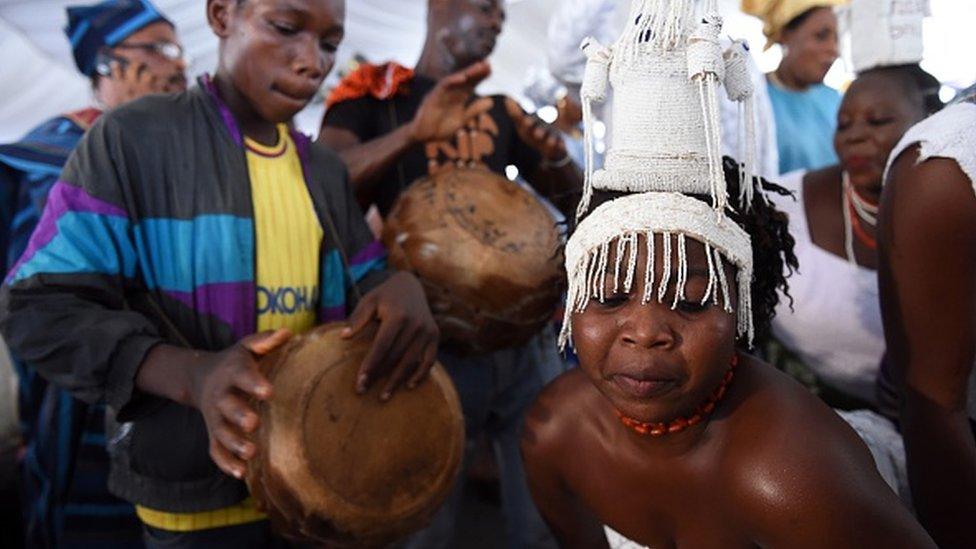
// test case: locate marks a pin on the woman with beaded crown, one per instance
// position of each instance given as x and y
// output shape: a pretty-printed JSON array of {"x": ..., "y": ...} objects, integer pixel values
[{"x": 675, "y": 436}]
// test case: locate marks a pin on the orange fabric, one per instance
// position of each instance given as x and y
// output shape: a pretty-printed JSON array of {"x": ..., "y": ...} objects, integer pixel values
[
  {"x": 380, "y": 81},
  {"x": 84, "y": 118}
]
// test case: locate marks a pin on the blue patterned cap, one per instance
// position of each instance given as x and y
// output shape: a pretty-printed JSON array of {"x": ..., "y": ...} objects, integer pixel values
[{"x": 106, "y": 24}]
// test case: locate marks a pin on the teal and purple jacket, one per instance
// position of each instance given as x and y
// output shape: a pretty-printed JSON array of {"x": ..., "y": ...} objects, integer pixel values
[{"x": 148, "y": 237}]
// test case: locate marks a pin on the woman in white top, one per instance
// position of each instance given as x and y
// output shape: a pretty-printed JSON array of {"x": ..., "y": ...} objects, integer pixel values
[{"x": 834, "y": 326}]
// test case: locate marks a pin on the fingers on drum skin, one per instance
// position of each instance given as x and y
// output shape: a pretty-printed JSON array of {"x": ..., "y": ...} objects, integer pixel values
[
  {"x": 236, "y": 411},
  {"x": 225, "y": 459},
  {"x": 409, "y": 359},
  {"x": 430, "y": 356},
  {"x": 234, "y": 440},
  {"x": 361, "y": 316},
  {"x": 267, "y": 341},
  {"x": 247, "y": 378},
  {"x": 387, "y": 342}
]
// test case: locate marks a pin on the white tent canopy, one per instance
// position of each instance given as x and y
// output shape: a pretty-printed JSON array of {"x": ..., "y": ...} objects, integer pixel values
[{"x": 38, "y": 78}]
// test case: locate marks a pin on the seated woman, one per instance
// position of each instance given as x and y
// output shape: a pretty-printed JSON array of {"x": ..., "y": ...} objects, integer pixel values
[
  {"x": 669, "y": 433},
  {"x": 832, "y": 216}
]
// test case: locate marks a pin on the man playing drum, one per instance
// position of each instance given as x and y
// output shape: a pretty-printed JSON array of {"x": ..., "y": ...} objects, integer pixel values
[
  {"x": 393, "y": 125},
  {"x": 162, "y": 268}
]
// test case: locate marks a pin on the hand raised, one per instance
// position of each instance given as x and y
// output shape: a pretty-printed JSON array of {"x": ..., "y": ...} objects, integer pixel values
[
  {"x": 537, "y": 134},
  {"x": 446, "y": 109}
]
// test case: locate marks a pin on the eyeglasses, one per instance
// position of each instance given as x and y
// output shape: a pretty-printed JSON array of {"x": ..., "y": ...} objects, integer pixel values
[{"x": 167, "y": 50}]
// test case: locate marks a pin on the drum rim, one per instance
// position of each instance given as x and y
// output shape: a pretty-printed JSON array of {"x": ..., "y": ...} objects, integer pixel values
[{"x": 355, "y": 520}]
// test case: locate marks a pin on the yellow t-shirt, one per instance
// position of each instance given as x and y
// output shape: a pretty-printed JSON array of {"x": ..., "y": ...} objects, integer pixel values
[{"x": 287, "y": 236}]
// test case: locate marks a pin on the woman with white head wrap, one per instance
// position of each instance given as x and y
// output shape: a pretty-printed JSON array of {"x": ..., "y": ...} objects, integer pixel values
[{"x": 669, "y": 433}]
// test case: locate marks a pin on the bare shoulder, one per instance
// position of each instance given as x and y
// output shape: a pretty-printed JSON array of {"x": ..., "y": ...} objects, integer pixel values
[
  {"x": 799, "y": 475},
  {"x": 553, "y": 422},
  {"x": 916, "y": 189}
]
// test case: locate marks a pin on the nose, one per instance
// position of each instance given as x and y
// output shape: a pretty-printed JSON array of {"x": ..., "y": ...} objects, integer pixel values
[
  {"x": 497, "y": 20},
  {"x": 648, "y": 326},
  {"x": 856, "y": 132},
  {"x": 310, "y": 60},
  {"x": 833, "y": 48}
]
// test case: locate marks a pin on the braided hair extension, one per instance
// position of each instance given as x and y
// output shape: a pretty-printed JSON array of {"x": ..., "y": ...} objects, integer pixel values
[
  {"x": 772, "y": 245},
  {"x": 773, "y": 258}
]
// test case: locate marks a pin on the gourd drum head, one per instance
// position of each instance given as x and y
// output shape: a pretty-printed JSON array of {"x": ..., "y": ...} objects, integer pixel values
[
  {"x": 487, "y": 252},
  {"x": 339, "y": 468}
]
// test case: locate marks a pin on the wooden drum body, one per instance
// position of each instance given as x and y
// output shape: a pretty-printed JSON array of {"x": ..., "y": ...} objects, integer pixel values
[
  {"x": 487, "y": 252},
  {"x": 341, "y": 469}
]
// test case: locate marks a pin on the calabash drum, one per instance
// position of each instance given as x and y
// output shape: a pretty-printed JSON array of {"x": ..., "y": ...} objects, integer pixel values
[
  {"x": 487, "y": 252},
  {"x": 341, "y": 469}
]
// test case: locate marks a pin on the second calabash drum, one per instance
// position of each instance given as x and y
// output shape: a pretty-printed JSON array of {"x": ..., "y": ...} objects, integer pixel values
[
  {"x": 487, "y": 252},
  {"x": 342, "y": 469}
]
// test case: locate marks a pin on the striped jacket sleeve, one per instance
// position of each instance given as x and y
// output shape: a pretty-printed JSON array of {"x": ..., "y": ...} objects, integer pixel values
[
  {"x": 63, "y": 307},
  {"x": 353, "y": 242}
]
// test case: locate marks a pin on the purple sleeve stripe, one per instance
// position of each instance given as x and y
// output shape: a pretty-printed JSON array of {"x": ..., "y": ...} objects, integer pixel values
[
  {"x": 231, "y": 302},
  {"x": 225, "y": 114},
  {"x": 374, "y": 250},
  {"x": 63, "y": 198},
  {"x": 332, "y": 314}
]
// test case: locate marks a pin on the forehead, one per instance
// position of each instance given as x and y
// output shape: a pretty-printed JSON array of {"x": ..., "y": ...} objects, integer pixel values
[
  {"x": 328, "y": 10},
  {"x": 156, "y": 32},
  {"x": 819, "y": 19},
  {"x": 876, "y": 89}
]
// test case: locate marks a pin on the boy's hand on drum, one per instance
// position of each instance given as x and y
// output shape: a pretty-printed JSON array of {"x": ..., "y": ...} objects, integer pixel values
[
  {"x": 445, "y": 110},
  {"x": 536, "y": 133},
  {"x": 220, "y": 386},
  {"x": 405, "y": 345}
]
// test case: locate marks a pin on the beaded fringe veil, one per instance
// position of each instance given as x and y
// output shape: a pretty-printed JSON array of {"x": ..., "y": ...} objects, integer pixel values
[
  {"x": 665, "y": 70},
  {"x": 674, "y": 218}
]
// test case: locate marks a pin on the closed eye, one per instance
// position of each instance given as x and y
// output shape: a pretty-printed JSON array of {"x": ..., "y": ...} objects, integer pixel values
[
  {"x": 285, "y": 29},
  {"x": 612, "y": 301},
  {"x": 691, "y": 306}
]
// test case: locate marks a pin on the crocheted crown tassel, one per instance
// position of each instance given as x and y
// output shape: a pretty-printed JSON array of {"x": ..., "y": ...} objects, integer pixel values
[
  {"x": 606, "y": 243},
  {"x": 665, "y": 73}
]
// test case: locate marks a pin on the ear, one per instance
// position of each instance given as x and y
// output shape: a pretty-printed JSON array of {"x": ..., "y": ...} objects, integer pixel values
[{"x": 219, "y": 13}]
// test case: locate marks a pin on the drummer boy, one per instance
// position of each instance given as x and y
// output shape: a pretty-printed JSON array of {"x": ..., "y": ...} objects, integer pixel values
[{"x": 188, "y": 236}]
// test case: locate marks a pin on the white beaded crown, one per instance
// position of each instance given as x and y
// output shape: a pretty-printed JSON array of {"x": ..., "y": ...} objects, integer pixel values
[{"x": 665, "y": 71}]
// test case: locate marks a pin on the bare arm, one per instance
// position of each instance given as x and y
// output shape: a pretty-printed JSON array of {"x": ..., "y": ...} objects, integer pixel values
[
  {"x": 820, "y": 489},
  {"x": 368, "y": 161},
  {"x": 927, "y": 280},
  {"x": 573, "y": 525}
]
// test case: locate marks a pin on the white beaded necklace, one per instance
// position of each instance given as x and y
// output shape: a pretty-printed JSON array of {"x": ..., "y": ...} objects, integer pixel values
[{"x": 865, "y": 211}]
